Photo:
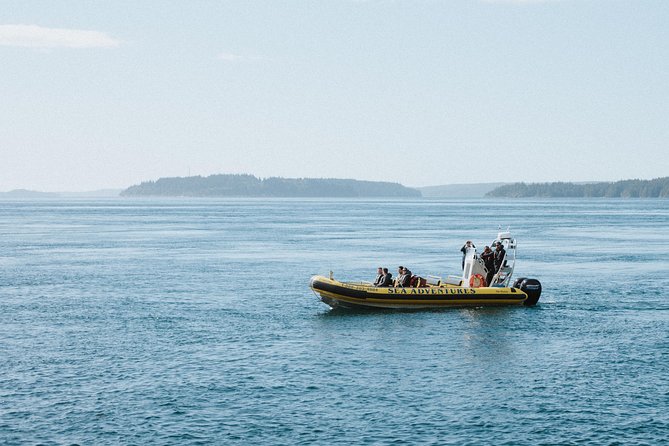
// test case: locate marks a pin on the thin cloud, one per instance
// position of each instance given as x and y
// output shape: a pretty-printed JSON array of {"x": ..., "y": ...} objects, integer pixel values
[{"x": 34, "y": 36}]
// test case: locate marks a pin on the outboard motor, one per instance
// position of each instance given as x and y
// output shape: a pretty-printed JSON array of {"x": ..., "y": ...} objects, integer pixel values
[{"x": 531, "y": 287}]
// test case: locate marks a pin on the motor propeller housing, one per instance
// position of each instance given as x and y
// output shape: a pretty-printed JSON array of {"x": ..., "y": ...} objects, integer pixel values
[{"x": 531, "y": 287}]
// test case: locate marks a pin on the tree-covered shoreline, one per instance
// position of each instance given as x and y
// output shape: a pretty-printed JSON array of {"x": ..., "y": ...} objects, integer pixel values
[
  {"x": 656, "y": 188},
  {"x": 251, "y": 186}
]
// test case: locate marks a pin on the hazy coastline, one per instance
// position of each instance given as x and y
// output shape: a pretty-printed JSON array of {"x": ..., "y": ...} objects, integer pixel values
[{"x": 251, "y": 186}]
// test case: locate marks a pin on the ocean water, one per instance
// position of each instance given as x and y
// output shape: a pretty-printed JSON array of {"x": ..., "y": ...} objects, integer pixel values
[{"x": 186, "y": 321}]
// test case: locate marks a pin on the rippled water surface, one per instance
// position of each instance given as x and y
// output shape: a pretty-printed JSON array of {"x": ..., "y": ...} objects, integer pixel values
[{"x": 190, "y": 322}]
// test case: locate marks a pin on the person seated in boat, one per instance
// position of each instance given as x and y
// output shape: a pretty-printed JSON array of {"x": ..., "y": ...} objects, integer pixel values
[
  {"x": 407, "y": 277},
  {"x": 379, "y": 276},
  {"x": 399, "y": 278},
  {"x": 404, "y": 278},
  {"x": 387, "y": 279},
  {"x": 489, "y": 260},
  {"x": 500, "y": 253},
  {"x": 465, "y": 249}
]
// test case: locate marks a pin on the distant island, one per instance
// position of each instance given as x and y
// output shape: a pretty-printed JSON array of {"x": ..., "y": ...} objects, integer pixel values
[
  {"x": 657, "y": 188},
  {"x": 25, "y": 193},
  {"x": 251, "y": 186}
]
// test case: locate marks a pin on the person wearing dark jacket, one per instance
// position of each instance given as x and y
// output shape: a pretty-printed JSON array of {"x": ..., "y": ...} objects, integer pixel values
[
  {"x": 489, "y": 260},
  {"x": 500, "y": 253},
  {"x": 406, "y": 278},
  {"x": 387, "y": 279},
  {"x": 465, "y": 248}
]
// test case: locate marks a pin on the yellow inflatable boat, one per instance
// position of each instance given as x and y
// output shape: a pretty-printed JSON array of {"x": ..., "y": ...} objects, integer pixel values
[{"x": 468, "y": 290}]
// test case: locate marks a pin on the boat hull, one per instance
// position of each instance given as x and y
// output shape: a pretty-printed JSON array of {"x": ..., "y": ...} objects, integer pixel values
[{"x": 354, "y": 295}]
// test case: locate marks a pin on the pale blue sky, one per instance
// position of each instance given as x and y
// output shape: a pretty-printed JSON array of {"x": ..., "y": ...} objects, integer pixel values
[{"x": 107, "y": 94}]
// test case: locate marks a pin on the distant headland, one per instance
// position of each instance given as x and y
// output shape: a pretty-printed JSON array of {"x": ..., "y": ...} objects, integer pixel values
[
  {"x": 251, "y": 186},
  {"x": 657, "y": 188},
  {"x": 246, "y": 185},
  {"x": 25, "y": 194}
]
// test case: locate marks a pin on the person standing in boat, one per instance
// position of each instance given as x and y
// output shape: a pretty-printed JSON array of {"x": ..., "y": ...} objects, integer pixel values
[
  {"x": 379, "y": 276},
  {"x": 465, "y": 249},
  {"x": 489, "y": 260},
  {"x": 500, "y": 254}
]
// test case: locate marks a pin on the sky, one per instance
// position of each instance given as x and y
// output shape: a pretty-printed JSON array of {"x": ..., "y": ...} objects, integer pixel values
[{"x": 108, "y": 94}]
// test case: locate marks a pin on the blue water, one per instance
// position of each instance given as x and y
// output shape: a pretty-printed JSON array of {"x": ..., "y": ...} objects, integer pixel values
[{"x": 190, "y": 321}]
